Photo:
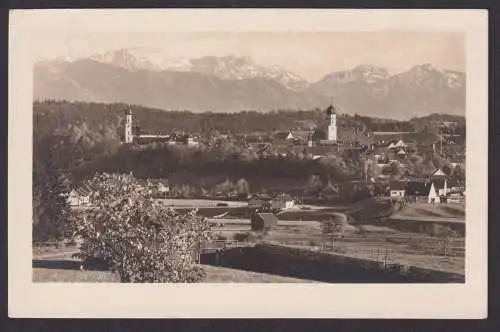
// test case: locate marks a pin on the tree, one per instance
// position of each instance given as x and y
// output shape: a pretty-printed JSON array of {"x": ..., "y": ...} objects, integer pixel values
[
  {"x": 448, "y": 235},
  {"x": 141, "y": 241},
  {"x": 51, "y": 210},
  {"x": 393, "y": 170},
  {"x": 458, "y": 174},
  {"x": 224, "y": 188},
  {"x": 333, "y": 229},
  {"x": 242, "y": 187},
  {"x": 314, "y": 184}
]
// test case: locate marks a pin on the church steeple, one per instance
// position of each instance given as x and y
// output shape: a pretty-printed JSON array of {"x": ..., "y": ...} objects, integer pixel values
[
  {"x": 332, "y": 123},
  {"x": 129, "y": 135}
]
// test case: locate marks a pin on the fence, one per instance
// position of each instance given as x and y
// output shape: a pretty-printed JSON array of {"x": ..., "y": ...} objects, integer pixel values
[
  {"x": 441, "y": 248},
  {"x": 217, "y": 246}
]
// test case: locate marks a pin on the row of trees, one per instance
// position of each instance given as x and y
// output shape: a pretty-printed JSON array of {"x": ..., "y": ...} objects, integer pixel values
[{"x": 159, "y": 121}]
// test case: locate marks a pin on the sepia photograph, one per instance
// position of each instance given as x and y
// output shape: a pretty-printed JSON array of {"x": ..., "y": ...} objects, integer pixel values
[{"x": 249, "y": 155}]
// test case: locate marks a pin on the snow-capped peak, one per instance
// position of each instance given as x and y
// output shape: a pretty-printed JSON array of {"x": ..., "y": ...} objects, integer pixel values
[
  {"x": 142, "y": 58},
  {"x": 428, "y": 72},
  {"x": 363, "y": 73},
  {"x": 230, "y": 66}
]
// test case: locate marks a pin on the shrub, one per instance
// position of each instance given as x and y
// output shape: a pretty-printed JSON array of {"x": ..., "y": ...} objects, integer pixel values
[
  {"x": 244, "y": 237},
  {"x": 221, "y": 237},
  {"x": 142, "y": 242}
]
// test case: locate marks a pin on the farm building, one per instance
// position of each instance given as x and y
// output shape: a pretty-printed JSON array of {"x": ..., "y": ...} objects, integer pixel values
[
  {"x": 277, "y": 202},
  {"x": 417, "y": 188},
  {"x": 263, "y": 221}
]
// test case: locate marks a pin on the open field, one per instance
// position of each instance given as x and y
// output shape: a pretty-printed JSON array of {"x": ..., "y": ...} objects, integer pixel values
[{"x": 431, "y": 212}]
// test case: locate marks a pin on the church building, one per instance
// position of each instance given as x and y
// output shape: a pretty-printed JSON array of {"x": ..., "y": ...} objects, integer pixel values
[{"x": 328, "y": 134}]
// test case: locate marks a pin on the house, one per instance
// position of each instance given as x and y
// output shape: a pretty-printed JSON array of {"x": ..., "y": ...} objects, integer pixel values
[
  {"x": 81, "y": 196},
  {"x": 257, "y": 201},
  {"x": 282, "y": 202},
  {"x": 397, "y": 189},
  {"x": 400, "y": 144},
  {"x": 159, "y": 186},
  {"x": 455, "y": 198},
  {"x": 401, "y": 153}
]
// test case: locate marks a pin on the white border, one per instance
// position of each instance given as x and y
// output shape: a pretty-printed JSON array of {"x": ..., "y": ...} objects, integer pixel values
[{"x": 28, "y": 299}]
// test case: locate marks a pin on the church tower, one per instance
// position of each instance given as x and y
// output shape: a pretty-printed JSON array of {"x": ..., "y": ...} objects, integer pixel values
[
  {"x": 129, "y": 135},
  {"x": 332, "y": 124}
]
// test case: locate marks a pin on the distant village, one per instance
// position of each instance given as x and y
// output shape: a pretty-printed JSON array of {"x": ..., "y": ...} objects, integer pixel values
[{"x": 382, "y": 149}]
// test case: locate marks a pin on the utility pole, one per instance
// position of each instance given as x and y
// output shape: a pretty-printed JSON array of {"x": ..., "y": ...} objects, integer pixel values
[{"x": 441, "y": 141}]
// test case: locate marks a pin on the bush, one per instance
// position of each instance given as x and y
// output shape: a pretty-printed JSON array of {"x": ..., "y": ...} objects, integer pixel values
[
  {"x": 242, "y": 237},
  {"x": 142, "y": 242}
]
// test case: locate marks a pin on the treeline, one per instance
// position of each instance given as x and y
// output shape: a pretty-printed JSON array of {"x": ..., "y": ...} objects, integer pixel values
[
  {"x": 56, "y": 115},
  {"x": 163, "y": 161}
]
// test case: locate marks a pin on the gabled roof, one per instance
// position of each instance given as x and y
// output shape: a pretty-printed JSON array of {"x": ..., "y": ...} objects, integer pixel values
[
  {"x": 400, "y": 143},
  {"x": 264, "y": 197},
  {"x": 391, "y": 146},
  {"x": 438, "y": 172},
  {"x": 84, "y": 190},
  {"x": 284, "y": 135}
]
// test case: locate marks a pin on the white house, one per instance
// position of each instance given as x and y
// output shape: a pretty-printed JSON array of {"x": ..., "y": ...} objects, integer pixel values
[
  {"x": 280, "y": 202},
  {"x": 397, "y": 189},
  {"x": 433, "y": 197},
  {"x": 80, "y": 196},
  {"x": 283, "y": 202}
]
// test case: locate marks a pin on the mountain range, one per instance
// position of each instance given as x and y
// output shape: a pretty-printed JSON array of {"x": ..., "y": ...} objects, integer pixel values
[{"x": 233, "y": 83}]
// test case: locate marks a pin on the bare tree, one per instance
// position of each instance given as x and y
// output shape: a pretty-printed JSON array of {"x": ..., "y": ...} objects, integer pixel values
[{"x": 333, "y": 229}]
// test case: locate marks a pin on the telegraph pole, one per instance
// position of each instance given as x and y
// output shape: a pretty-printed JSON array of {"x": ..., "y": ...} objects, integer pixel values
[{"x": 441, "y": 141}]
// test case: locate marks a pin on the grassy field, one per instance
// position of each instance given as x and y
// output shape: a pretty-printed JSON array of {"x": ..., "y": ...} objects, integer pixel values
[
  {"x": 61, "y": 268},
  {"x": 300, "y": 227},
  {"x": 363, "y": 241},
  {"x": 438, "y": 212}
]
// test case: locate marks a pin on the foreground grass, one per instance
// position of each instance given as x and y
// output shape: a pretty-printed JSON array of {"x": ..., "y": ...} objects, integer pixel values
[{"x": 215, "y": 274}]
